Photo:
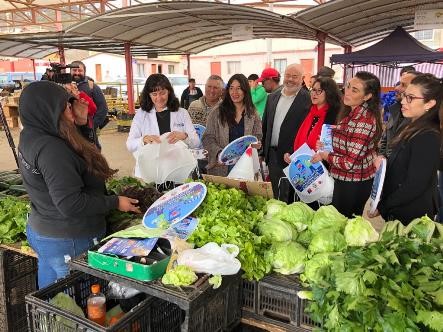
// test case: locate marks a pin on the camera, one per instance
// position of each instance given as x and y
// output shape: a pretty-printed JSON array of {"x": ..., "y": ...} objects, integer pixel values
[{"x": 59, "y": 77}]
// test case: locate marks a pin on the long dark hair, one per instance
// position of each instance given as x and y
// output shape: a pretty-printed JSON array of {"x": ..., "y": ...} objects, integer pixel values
[
  {"x": 96, "y": 164},
  {"x": 432, "y": 89},
  {"x": 371, "y": 85},
  {"x": 333, "y": 94},
  {"x": 227, "y": 107},
  {"x": 156, "y": 82}
]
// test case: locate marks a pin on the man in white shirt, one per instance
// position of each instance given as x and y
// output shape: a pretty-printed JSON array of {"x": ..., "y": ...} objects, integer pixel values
[{"x": 284, "y": 113}]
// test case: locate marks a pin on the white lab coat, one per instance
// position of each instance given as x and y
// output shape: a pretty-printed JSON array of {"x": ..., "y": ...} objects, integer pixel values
[{"x": 145, "y": 123}]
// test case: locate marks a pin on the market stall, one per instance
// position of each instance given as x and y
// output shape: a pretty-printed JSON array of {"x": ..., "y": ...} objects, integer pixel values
[{"x": 300, "y": 269}]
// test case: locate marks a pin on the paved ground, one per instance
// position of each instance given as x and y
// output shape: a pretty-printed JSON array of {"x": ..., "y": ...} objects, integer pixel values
[
  {"x": 113, "y": 144},
  {"x": 114, "y": 149}
]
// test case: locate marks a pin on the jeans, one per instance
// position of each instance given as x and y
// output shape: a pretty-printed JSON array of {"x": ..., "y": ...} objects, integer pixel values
[{"x": 55, "y": 253}]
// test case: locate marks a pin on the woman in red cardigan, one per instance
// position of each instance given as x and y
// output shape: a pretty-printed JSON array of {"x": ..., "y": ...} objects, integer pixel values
[
  {"x": 354, "y": 142},
  {"x": 326, "y": 104}
]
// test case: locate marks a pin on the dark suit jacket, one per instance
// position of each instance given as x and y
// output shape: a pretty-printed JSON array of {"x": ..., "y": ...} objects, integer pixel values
[
  {"x": 288, "y": 130},
  {"x": 410, "y": 186}
]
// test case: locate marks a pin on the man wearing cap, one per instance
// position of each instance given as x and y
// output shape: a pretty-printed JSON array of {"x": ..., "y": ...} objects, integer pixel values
[
  {"x": 190, "y": 94},
  {"x": 284, "y": 112},
  {"x": 270, "y": 78},
  {"x": 258, "y": 93}
]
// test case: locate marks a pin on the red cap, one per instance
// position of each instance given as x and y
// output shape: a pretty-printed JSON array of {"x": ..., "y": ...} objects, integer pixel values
[{"x": 269, "y": 73}]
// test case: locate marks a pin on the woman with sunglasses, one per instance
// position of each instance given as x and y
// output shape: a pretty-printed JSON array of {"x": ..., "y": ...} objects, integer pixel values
[
  {"x": 410, "y": 187},
  {"x": 160, "y": 113},
  {"x": 326, "y": 103},
  {"x": 354, "y": 142}
]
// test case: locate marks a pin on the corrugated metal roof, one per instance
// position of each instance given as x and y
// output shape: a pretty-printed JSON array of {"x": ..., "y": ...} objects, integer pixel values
[
  {"x": 358, "y": 22},
  {"x": 189, "y": 27},
  {"x": 40, "y": 45}
]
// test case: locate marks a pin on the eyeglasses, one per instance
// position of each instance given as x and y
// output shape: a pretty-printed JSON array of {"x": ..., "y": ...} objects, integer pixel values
[
  {"x": 317, "y": 91},
  {"x": 409, "y": 98},
  {"x": 161, "y": 93}
]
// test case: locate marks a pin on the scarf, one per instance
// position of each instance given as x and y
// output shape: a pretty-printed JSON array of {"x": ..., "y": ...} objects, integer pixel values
[{"x": 310, "y": 129}]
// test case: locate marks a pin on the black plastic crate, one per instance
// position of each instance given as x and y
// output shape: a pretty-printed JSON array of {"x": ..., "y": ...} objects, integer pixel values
[
  {"x": 278, "y": 300},
  {"x": 249, "y": 295},
  {"x": 306, "y": 321},
  {"x": 150, "y": 315},
  {"x": 18, "y": 277},
  {"x": 205, "y": 309}
]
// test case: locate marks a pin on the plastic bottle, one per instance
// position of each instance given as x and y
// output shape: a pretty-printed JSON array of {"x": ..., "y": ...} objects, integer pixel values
[{"x": 96, "y": 305}]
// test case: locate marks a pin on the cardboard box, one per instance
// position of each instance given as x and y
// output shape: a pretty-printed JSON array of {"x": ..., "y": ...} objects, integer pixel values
[
  {"x": 250, "y": 187},
  {"x": 10, "y": 111},
  {"x": 12, "y": 122}
]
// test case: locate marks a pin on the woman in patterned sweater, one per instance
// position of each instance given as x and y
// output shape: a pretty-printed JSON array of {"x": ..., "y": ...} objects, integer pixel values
[{"x": 354, "y": 141}]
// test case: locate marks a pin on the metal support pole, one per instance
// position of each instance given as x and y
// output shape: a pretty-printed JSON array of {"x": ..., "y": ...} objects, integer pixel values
[
  {"x": 348, "y": 49},
  {"x": 321, "y": 46},
  {"x": 33, "y": 69},
  {"x": 61, "y": 53},
  {"x": 129, "y": 77},
  {"x": 188, "y": 65}
]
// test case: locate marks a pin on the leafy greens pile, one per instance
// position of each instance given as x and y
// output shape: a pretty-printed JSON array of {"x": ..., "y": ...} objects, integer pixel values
[
  {"x": 13, "y": 217},
  {"x": 394, "y": 284},
  {"x": 228, "y": 215}
]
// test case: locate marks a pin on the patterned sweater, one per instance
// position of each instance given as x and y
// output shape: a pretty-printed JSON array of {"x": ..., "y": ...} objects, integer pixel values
[{"x": 354, "y": 147}]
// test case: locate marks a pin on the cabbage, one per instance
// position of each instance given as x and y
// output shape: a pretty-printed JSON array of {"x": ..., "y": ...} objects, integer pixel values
[
  {"x": 277, "y": 230},
  {"x": 327, "y": 216},
  {"x": 298, "y": 214},
  {"x": 359, "y": 232},
  {"x": 328, "y": 240},
  {"x": 274, "y": 206},
  {"x": 321, "y": 266},
  {"x": 181, "y": 275},
  {"x": 287, "y": 257},
  {"x": 305, "y": 238},
  {"x": 421, "y": 227}
]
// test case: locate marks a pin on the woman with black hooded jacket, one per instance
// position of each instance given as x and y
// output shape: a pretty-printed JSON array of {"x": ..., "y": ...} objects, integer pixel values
[{"x": 64, "y": 176}]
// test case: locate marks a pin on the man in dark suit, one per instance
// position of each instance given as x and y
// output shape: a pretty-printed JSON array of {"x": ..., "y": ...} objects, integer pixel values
[{"x": 284, "y": 112}]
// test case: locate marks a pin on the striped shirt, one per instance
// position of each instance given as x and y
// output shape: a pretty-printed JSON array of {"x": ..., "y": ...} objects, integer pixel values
[{"x": 354, "y": 148}]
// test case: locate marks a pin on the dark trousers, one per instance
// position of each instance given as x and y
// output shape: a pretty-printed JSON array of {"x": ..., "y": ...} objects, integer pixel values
[
  {"x": 281, "y": 187},
  {"x": 350, "y": 197}
]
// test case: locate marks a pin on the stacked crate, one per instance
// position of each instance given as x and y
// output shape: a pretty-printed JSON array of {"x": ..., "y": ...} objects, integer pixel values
[{"x": 11, "y": 111}]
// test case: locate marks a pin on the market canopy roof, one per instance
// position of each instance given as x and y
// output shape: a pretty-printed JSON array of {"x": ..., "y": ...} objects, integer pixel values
[
  {"x": 190, "y": 26},
  {"x": 398, "y": 47},
  {"x": 40, "y": 45},
  {"x": 358, "y": 22}
]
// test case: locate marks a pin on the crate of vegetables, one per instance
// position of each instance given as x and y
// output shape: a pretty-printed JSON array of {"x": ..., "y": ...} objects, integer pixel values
[
  {"x": 62, "y": 307},
  {"x": 18, "y": 277},
  {"x": 205, "y": 308}
]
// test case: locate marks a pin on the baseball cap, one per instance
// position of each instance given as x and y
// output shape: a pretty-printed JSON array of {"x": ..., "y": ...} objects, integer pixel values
[{"x": 269, "y": 73}]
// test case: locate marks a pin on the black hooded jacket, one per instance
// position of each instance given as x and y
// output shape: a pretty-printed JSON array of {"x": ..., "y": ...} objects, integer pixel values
[{"x": 67, "y": 201}]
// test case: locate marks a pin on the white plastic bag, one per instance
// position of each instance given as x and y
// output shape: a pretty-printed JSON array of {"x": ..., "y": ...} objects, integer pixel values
[{"x": 212, "y": 259}]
